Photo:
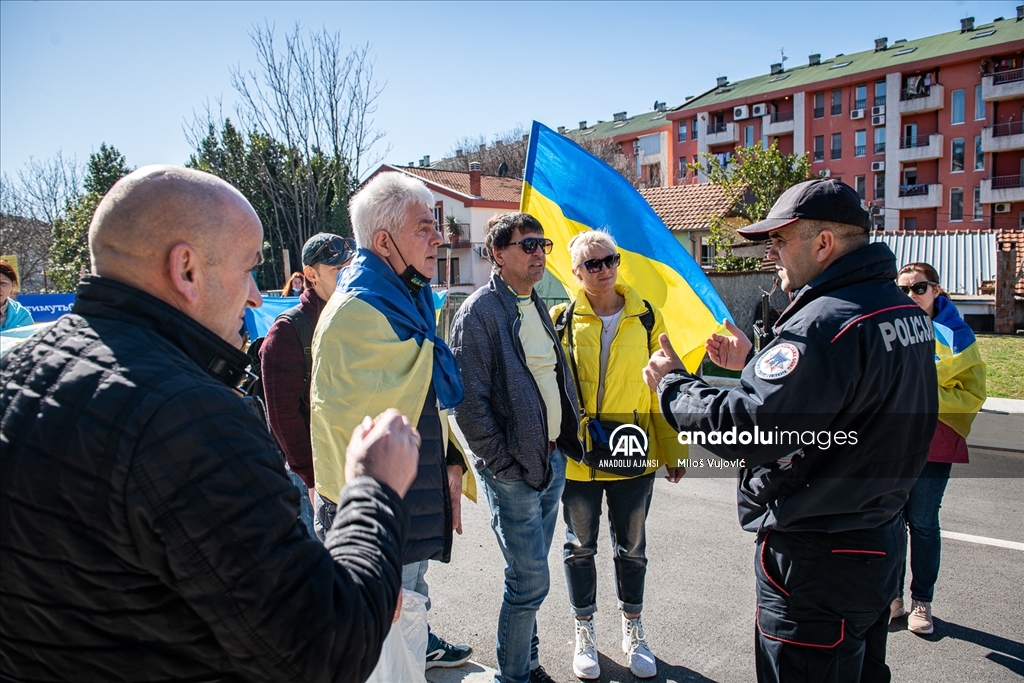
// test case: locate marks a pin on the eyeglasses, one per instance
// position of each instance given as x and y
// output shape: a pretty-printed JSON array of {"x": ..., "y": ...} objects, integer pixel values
[
  {"x": 331, "y": 248},
  {"x": 594, "y": 265},
  {"x": 918, "y": 288},
  {"x": 530, "y": 244}
]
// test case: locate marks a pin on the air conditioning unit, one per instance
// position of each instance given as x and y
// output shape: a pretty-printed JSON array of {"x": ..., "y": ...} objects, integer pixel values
[
  {"x": 877, "y": 166},
  {"x": 759, "y": 110},
  {"x": 827, "y": 173},
  {"x": 877, "y": 120},
  {"x": 739, "y": 113},
  {"x": 481, "y": 251},
  {"x": 856, "y": 113},
  {"x": 1002, "y": 207},
  {"x": 878, "y": 111}
]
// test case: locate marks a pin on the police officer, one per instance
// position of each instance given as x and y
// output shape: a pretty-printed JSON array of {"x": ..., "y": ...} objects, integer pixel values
[{"x": 832, "y": 421}]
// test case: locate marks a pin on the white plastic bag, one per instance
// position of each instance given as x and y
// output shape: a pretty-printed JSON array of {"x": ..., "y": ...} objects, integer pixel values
[{"x": 403, "y": 657}]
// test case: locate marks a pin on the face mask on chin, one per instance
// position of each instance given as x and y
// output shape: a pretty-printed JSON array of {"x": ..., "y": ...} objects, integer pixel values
[{"x": 413, "y": 279}]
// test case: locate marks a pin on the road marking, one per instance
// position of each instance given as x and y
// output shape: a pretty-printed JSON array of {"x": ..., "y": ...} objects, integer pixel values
[{"x": 1012, "y": 545}]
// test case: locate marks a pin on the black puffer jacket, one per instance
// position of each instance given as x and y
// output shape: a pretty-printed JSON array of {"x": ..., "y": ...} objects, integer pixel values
[{"x": 149, "y": 531}]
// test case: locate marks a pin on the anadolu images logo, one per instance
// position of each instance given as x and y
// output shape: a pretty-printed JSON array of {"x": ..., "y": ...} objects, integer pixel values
[{"x": 628, "y": 441}]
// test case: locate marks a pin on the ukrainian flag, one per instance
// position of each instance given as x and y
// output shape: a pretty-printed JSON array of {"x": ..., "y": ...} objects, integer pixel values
[
  {"x": 571, "y": 191},
  {"x": 961, "y": 370}
]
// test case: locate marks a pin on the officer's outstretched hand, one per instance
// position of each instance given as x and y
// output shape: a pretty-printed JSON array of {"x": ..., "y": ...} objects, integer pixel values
[
  {"x": 728, "y": 352},
  {"x": 664, "y": 361},
  {"x": 386, "y": 448}
]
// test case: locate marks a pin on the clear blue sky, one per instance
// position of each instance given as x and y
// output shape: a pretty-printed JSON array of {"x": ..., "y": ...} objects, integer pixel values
[{"x": 73, "y": 75}]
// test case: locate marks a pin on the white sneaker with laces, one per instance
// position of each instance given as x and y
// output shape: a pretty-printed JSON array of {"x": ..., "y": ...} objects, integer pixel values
[
  {"x": 920, "y": 619},
  {"x": 634, "y": 645},
  {"x": 584, "y": 662}
]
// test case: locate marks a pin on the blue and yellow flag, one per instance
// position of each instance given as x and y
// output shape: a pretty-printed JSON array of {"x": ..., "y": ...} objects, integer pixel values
[
  {"x": 961, "y": 370},
  {"x": 571, "y": 191}
]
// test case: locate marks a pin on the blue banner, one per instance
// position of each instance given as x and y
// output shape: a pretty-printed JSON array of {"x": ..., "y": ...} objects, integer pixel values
[{"x": 46, "y": 308}]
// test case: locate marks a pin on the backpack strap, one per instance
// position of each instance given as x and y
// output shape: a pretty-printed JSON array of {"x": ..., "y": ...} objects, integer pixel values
[
  {"x": 304, "y": 328},
  {"x": 647, "y": 320}
]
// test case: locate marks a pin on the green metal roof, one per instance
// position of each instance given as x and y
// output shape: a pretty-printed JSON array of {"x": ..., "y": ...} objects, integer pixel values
[
  {"x": 634, "y": 124},
  {"x": 901, "y": 55}
]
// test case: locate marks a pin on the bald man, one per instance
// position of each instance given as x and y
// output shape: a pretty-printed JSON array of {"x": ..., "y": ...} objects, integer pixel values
[{"x": 149, "y": 528}]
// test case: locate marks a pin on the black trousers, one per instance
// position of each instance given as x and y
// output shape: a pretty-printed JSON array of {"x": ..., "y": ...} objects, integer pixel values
[{"x": 823, "y": 604}]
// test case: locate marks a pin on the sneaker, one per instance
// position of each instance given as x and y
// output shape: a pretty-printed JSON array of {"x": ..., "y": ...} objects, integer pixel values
[
  {"x": 441, "y": 653},
  {"x": 634, "y": 645},
  {"x": 584, "y": 661},
  {"x": 539, "y": 675},
  {"x": 896, "y": 609},
  {"x": 920, "y": 619}
]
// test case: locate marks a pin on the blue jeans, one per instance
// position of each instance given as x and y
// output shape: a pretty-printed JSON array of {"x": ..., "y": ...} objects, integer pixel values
[
  {"x": 922, "y": 515},
  {"x": 305, "y": 507},
  {"x": 629, "y": 500},
  {"x": 523, "y": 520}
]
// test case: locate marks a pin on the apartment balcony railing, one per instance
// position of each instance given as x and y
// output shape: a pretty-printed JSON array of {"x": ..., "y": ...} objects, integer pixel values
[
  {"x": 781, "y": 123},
  {"x": 860, "y": 104},
  {"x": 918, "y": 196},
  {"x": 859, "y": 150},
  {"x": 1002, "y": 137},
  {"x": 920, "y": 147},
  {"x": 923, "y": 99},
  {"x": 778, "y": 116},
  {"x": 880, "y": 101},
  {"x": 1009, "y": 128},
  {"x": 837, "y": 153},
  {"x": 819, "y": 155},
  {"x": 1003, "y": 85},
  {"x": 837, "y": 109},
  {"x": 722, "y": 133},
  {"x": 1007, "y": 188},
  {"x": 1011, "y": 76},
  {"x": 819, "y": 112},
  {"x": 913, "y": 190},
  {"x": 879, "y": 148},
  {"x": 910, "y": 141}
]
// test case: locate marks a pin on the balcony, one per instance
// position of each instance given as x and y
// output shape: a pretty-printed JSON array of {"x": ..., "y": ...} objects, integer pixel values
[
  {"x": 860, "y": 150},
  {"x": 926, "y": 98},
  {"x": 1002, "y": 137},
  {"x": 917, "y": 197},
  {"x": 1006, "y": 188},
  {"x": 781, "y": 123},
  {"x": 879, "y": 100},
  {"x": 1005, "y": 85},
  {"x": 860, "y": 104},
  {"x": 879, "y": 148},
  {"x": 722, "y": 134},
  {"x": 920, "y": 147},
  {"x": 819, "y": 112}
]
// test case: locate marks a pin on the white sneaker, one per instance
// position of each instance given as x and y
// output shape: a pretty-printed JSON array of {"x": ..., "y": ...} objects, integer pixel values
[
  {"x": 920, "y": 619},
  {"x": 897, "y": 609},
  {"x": 634, "y": 645},
  {"x": 584, "y": 661}
]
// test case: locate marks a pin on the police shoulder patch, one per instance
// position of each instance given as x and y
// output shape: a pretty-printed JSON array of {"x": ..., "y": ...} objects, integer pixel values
[{"x": 777, "y": 362}]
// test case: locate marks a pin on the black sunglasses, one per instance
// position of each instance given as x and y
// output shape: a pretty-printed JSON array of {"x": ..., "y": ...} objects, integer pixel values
[
  {"x": 530, "y": 244},
  {"x": 331, "y": 248},
  {"x": 594, "y": 265},
  {"x": 918, "y": 288}
]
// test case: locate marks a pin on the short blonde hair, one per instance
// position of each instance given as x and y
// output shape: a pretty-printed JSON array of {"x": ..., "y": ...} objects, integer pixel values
[{"x": 581, "y": 243}]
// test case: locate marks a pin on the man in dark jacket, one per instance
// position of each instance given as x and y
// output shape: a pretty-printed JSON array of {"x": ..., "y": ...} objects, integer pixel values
[
  {"x": 521, "y": 419},
  {"x": 832, "y": 422},
  {"x": 149, "y": 530},
  {"x": 376, "y": 346},
  {"x": 285, "y": 366}
]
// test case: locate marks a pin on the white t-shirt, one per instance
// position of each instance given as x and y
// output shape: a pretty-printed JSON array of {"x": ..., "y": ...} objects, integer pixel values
[{"x": 609, "y": 325}]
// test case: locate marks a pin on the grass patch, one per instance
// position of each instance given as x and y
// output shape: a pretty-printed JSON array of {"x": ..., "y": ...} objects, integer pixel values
[{"x": 1004, "y": 360}]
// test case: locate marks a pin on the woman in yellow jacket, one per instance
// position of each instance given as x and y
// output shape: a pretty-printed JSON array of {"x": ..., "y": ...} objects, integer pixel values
[{"x": 609, "y": 332}]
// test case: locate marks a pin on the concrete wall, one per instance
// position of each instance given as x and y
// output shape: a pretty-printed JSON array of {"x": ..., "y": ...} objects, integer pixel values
[{"x": 741, "y": 293}]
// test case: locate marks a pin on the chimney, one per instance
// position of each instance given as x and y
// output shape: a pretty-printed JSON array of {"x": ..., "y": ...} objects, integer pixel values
[
  {"x": 458, "y": 154},
  {"x": 776, "y": 68},
  {"x": 621, "y": 116},
  {"x": 659, "y": 106},
  {"x": 561, "y": 130},
  {"x": 426, "y": 161},
  {"x": 499, "y": 143},
  {"x": 814, "y": 60},
  {"x": 421, "y": 163},
  {"x": 483, "y": 148},
  {"x": 474, "y": 179},
  {"x": 722, "y": 81},
  {"x": 881, "y": 44},
  {"x": 526, "y": 138},
  {"x": 1020, "y": 12},
  {"x": 412, "y": 164},
  {"x": 968, "y": 24},
  {"x": 583, "y": 125}
]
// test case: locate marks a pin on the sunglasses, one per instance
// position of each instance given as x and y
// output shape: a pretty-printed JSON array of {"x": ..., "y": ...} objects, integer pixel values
[
  {"x": 330, "y": 249},
  {"x": 594, "y": 265},
  {"x": 918, "y": 288},
  {"x": 530, "y": 244}
]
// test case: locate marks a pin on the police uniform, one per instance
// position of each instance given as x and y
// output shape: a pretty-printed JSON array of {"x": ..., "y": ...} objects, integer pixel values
[{"x": 833, "y": 420}]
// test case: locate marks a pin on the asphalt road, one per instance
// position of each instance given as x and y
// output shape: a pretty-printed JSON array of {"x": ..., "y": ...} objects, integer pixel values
[{"x": 700, "y": 603}]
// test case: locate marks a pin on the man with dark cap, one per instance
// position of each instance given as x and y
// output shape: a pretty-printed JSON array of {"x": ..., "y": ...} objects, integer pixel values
[{"x": 831, "y": 423}]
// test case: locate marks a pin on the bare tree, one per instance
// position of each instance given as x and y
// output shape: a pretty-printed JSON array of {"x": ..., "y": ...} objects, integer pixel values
[{"x": 505, "y": 155}]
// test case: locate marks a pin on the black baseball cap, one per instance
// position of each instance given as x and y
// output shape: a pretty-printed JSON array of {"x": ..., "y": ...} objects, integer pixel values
[
  {"x": 821, "y": 199},
  {"x": 328, "y": 249}
]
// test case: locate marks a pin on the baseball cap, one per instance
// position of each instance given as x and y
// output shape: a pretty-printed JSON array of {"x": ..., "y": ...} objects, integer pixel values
[
  {"x": 331, "y": 250},
  {"x": 821, "y": 199}
]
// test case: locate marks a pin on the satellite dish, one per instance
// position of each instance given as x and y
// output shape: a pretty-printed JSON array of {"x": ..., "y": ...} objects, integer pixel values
[{"x": 503, "y": 169}]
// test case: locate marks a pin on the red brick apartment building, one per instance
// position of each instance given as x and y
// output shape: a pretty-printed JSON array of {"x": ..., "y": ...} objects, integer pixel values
[{"x": 930, "y": 131}]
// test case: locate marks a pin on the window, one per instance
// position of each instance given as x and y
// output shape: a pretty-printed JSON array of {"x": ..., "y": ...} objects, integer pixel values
[
  {"x": 957, "y": 109},
  {"x": 819, "y": 105},
  {"x": 979, "y": 156},
  {"x": 910, "y": 223},
  {"x": 837, "y": 102},
  {"x": 956, "y": 204},
  {"x": 682, "y": 131},
  {"x": 707, "y": 253},
  {"x": 441, "y": 277},
  {"x": 748, "y": 136},
  {"x": 979, "y": 209},
  {"x": 819, "y": 148},
  {"x": 682, "y": 168},
  {"x": 910, "y": 176},
  {"x": 860, "y": 96},
  {"x": 979, "y": 104},
  {"x": 860, "y": 143},
  {"x": 879, "y": 93},
  {"x": 837, "y": 146},
  {"x": 879, "y": 140},
  {"x": 860, "y": 184},
  {"x": 439, "y": 214},
  {"x": 693, "y": 128},
  {"x": 879, "y": 186},
  {"x": 958, "y": 155},
  {"x": 650, "y": 144}
]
